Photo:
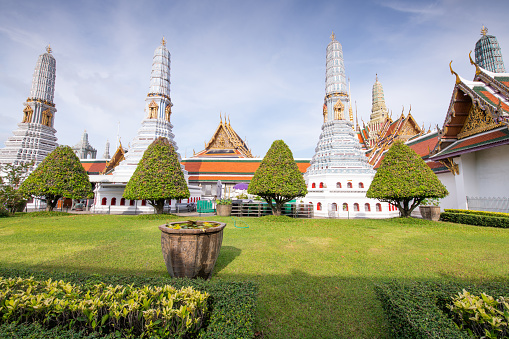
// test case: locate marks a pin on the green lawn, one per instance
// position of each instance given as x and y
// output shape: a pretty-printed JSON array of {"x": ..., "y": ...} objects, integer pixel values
[{"x": 315, "y": 276}]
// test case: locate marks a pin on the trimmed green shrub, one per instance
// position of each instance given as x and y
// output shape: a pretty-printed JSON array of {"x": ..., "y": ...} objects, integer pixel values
[
  {"x": 404, "y": 180},
  {"x": 158, "y": 176},
  {"x": 420, "y": 309},
  {"x": 151, "y": 311},
  {"x": 475, "y": 219},
  {"x": 232, "y": 305},
  {"x": 278, "y": 179},
  {"x": 59, "y": 175},
  {"x": 492, "y": 214},
  {"x": 481, "y": 316}
]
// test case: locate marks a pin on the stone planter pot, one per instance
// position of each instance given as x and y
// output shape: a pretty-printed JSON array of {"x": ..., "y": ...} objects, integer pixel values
[
  {"x": 224, "y": 210},
  {"x": 430, "y": 212},
  {"x": 191, "y": 253}
]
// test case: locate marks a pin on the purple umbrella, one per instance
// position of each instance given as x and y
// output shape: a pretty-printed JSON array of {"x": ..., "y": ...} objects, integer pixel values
[{"x": 241, "y": 186}]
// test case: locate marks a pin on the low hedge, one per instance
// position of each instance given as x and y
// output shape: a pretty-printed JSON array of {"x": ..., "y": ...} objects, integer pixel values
[
  {"x": 475, "y": 219},
  {"x": 419, "y": 309},
  {"x": 232, "y": 305},
  {"x": 491, "y": 214}
]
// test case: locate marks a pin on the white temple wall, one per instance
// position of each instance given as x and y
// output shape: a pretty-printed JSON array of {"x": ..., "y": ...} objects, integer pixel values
[
  {"x": 492, "y": 169},
  {"x": 448, "y": 180}
]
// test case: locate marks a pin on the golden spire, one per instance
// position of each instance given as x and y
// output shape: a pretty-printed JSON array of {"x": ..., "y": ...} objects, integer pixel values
[
  {"x": 333, "y": 37},
  {"x": 454, "y": 73},
  {"x": 484, "y": 30},
  {"x": 48, "y": 48},
  {"x": 163, "y": 42}
]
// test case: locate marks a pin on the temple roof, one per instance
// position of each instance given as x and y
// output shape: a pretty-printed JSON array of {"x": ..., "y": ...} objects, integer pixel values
[
  {"x": 227, "y": 170},
  {"x": 225, "y": 143},
  {"x": 476, "y": 106}
]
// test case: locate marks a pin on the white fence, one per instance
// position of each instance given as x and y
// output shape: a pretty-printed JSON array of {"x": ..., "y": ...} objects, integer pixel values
[{"x": 488, "y": 204}]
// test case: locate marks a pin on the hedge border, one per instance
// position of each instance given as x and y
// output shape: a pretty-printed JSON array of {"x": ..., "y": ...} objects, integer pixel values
[
  {"x": 492, "y": 214},
  {"x": 418, "y": 309},
  {"x": 475, "y": 219},
  {"x": 232, "y": 304}
]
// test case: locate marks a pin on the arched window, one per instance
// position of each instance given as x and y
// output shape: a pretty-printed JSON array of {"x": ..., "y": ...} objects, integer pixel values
[
  {"x": 131, "y": 202},
  {"x": 313, "y": 185},
  {"x": 319, "y": 206},
  {"x": 367, "y": 208},
  {"x": 349, "y": 185},
  {"x": 356, "y": 207},
  {"x": 113, "y": 201},
  {"x": 345, "y": 207},
  {"x": 338, "y": 185},
  {"x": 321, "y": 185},
  {"x": 144, "y": 203},
  {"x": 334, "y": 207},
  {"x": 122, "y": 202},
  {"x": 361, "y": 185},
  {"x": 103, "y": 201},
  {"x": 378, "y": 207}
]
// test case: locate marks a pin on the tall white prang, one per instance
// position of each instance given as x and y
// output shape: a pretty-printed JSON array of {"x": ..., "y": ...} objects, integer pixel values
[
  {"x": 155, "y": 123},
  {"x": 339, "y": 173},
  {"x": 35, "y": 136}
]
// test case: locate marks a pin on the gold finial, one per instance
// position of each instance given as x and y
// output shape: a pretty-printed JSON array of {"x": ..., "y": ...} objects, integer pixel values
[
  {"x": 477, "y": 70},
  {"x": 376, "y": 75},
  {"x": 484, "y": 30},
  {"x": 163, "y": 42},
  {"x": 333, "y": 37},
  {"x": 454, "y": 73},
  {"x": 48, "y": 48}
]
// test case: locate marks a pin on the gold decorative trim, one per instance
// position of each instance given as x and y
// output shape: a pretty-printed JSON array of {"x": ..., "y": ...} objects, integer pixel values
[
  {"x": 27, "y": 114},
  {"x": 339, "y": 109},
  {"x": 46, "y": 118},
  {"x": 153, "y": 108},
  {"x": 167, "y": 113},
  {"x": 451, "y": 165},
  {"x": 477, "y": 121},
  {"x": 458, "y": 80}
]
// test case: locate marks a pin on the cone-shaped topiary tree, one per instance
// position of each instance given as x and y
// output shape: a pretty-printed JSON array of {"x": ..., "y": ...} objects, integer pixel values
[
  {"x": 278, "y": 179},
  {"x": 404, "y": 180},
  {"x": 59, "y": 175},
  {"x": 158, "y": 176}
]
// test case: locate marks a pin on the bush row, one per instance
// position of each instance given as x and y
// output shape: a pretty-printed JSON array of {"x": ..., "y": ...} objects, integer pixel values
[
  {"x": 146, "y": 311},
  {"x": 420, "y": 309},
  {"x": 491, "y": 214},
  {"x": 232, "y": 305},
  {"x": 475, "y": 219}
]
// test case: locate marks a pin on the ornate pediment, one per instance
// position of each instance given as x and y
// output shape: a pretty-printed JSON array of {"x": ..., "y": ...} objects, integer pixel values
[{"x": 478, "y": 120}]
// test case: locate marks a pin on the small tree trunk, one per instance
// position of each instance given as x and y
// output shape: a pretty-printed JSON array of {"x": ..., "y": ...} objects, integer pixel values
[
  {"x": 159, "y": 206},
  {"x": 51, "y": 203}
]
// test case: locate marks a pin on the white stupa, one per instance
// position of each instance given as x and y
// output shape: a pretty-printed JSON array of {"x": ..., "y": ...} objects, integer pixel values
[
  {"x": 339, "y": 174},
  {"x": 35, "y": 136},
  {"x": 156, "y": 123}
]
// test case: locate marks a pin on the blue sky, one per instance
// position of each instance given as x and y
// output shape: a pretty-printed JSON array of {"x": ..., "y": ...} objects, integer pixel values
[{"x": 260, "y": 62}]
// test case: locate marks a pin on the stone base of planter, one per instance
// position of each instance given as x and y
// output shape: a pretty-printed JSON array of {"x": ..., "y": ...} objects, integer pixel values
[
  {"x": 191, "y": 253},
  {"x": 224, "y": 210},
  {"x": 430, "y": 212}
]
